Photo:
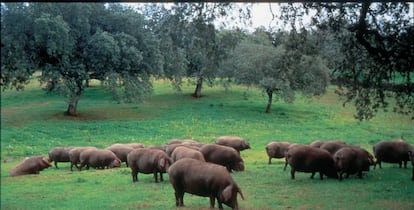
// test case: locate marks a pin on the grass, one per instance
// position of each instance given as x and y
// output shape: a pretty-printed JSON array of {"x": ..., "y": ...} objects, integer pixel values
[{"x": 32, "y": 122}]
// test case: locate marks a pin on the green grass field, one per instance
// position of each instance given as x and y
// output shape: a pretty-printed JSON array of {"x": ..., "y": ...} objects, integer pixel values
[{"x": 32, "y": 122}]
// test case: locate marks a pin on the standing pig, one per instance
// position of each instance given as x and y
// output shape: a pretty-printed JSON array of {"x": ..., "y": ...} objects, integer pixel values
[
  {"x": 181, "y": 152},
  {"x": 411, "y": 155},
  {"x": 74, "y": 155},
  {"x": 310, "y": 159},
  {"x": 59, "y": 154},
  {"x": 318, "y": 143},
  {"x": 181, "y": 141},
  {"x": 203, "y": 179},
  {"x": 134, "y": 145},
  {"x": 236, "y": 142},
  {"x": 31, "y": 165},
  {"x": 98, "y": 158},
  {"x": 148, "y": 161},
  {"x": 394, "y": 151},
  {"x": 276, "y": 149},
  {"x": 333, "y": 146},
  {"x": 351, "y": 160},
  {"x": 169, "y": 148},
  {"x": 223, "y": 155},
  {"x": 121, "y": 151}
]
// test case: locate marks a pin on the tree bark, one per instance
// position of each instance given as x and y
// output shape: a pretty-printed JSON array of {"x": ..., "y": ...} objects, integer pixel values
[
  {"x": 270, "y": 99},
  {"x": 73, "y": 103},
  {"x": 73, "y": 107},
  {"x": 197, "y": 92}
]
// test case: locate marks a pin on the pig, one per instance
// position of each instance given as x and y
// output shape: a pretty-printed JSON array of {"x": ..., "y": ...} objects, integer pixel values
[
  {"x": 306, "y": 158},
  {"x": 185, "y": 152},
  {"x": 121, "y": 151},
  {"x": 236, "y": 142},
  {"x": 74, "y": 156},
  {"x": 31, "y": 165},
  {"x": 223, "y": 155},
  {"x": 203, "y": 179},
  {"x": 392, "y": 151},
  {"x": 99, "y": 159},
  {"x": 351, "y": 160},
  {"x": 59, "y": 154},
  {"x": 148, "y": 161},
  {"x": 276, "y": 149}
]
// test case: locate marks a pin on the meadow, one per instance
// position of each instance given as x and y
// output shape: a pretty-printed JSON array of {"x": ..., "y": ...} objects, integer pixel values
[{"x": 32, "y": 122}]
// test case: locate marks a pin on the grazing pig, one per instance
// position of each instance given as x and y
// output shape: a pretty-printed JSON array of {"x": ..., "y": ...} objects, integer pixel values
[
  {"x": 59, "y": 154},
  {"x": 236, "y": 142},
  {"x": 286, "y": 161},
  {"x": 148, "y": 161},
  {"x": 203, "y": 179},
  {"x": 223, "y": 155},
  {"x": 393, "y": 151},
  {"x": 31, "y": 165},
  {"x": 181, "y": 141},
  {"x": 121, "y": 151},
  {"x": 99, "y": 159},
  {"x": 181, "y": 152},
  {"x": 169, "y": 148},
  {"x": 276, "y": 149},
  {"x": 411, "y": 155},
  {"x": 74, "y": 155},
  {"x": 333, "y": 146},
  {"x": 318, "y": 143},
  {"x": 351, "y": 160},
  {"x": 306, "y": 158},
  {"x": 160, "y": 147},
  {"x": 134, "y": 145}
]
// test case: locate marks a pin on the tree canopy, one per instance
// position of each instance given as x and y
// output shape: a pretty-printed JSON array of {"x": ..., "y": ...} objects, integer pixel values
[
  {"x": 73, "y": 43},
  {"x": 280, "y": 70},
  {"x": 365, "y": 48},
  {"x": 376, "y": 51}
]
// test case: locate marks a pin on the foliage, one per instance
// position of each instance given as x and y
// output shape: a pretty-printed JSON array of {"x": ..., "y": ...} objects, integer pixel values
[
  {"x": 281, "y": 70},
  {"x": 190, "y": 39},
  {"x": 376, "y": 49},
  {"x": 73, "y": 43},
  {"x": 32, "y": 123},
  {"x": 366, "y": 46}
]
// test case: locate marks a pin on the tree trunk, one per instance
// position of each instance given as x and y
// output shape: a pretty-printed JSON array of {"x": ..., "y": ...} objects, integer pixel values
[
  {"x": 73, "y": 107},
  {"x": 73, "y": 104},
  {"x": 269, "y": 101},
  {"x": 197, "y": 92}
]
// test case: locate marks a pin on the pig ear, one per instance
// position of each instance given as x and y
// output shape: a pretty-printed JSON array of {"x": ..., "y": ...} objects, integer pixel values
[{"x": 226, "y": 194}]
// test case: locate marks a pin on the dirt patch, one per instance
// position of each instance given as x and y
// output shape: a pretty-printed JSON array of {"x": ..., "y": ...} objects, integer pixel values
[
  {"x": 11, "y": 110},
  {"x": 103, "y": 114},
  {"x": 395, "y": 204}
]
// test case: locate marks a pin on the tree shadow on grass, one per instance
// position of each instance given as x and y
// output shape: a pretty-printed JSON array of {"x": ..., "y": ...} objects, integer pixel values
[{"x": 102, "y": 114}]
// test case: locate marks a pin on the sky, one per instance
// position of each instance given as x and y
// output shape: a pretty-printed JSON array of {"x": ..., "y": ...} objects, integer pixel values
[{"x": 262, "y": 17}]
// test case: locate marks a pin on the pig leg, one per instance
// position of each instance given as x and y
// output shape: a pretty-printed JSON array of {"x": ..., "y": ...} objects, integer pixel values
[
  {"x": 156, "y": 176},
  {"x": 134, "y": 174},
  {"x": 179, "y": 198},
  {"x": 212, "y": 201},
  {"x": 161, "y": 178},
  {"x": 292, "y": 173}
]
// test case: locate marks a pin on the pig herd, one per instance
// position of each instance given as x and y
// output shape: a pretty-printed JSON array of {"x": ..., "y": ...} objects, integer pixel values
[
  {"x": 204, "y": 169},
  {"x": 336, "y": 158}
]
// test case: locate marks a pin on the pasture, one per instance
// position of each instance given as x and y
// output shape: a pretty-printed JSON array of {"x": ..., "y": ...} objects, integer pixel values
[{"x": 32, "y": 122}]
